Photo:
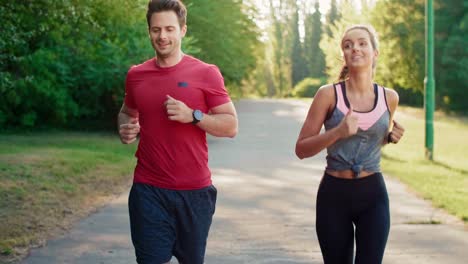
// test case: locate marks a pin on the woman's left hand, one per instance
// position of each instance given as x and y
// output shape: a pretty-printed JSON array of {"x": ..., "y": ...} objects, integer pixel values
[{"x": 397, "y": 132}]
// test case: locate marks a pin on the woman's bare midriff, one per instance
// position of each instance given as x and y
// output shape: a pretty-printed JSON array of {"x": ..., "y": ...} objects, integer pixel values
[{"x": 348, "y": 174}]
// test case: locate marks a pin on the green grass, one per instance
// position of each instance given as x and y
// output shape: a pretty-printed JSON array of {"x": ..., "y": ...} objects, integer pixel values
[
  {"x": 444, "y": 181},
  {"x": 48, "y": 180}
]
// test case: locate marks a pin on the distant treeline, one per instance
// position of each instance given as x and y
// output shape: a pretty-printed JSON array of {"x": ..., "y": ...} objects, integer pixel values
[
  {"x": 295, "y": 64},
  {"x": 63, "y": 63}
]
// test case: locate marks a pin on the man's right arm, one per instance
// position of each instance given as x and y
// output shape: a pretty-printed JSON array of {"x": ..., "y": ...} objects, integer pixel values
[{"x": 128, "y": 124}]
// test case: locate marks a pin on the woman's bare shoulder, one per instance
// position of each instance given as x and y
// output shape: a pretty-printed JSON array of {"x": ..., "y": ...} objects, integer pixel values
[
  {"x": 392, "y": 95},
  {"x": 392, "y": 98},
  {"x": 326, "y": 90}
]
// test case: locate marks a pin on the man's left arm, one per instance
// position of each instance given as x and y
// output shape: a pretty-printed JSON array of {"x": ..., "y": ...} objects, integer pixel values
[{"x": 221, "y": 121}]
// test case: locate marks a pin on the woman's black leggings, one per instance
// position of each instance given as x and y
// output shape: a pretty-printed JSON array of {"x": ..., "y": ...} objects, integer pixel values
[{"x": 344, "y": 202}]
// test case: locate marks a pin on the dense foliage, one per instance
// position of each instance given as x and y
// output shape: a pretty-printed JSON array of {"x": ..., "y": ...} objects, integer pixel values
[
  {"x": 226, "y": 35},
  {"x": 63, "y": 63},
  {"x": 308, "y": 87},
  {"x": 66, "y": 60},
  {"x": 401, "y": 25}
]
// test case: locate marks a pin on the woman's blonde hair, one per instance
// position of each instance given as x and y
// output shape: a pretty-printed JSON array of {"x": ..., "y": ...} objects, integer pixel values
[{"x": 375, "y": 45}]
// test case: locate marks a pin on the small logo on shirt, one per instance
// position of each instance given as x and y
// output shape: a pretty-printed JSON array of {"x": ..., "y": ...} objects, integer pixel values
[{"x": 182, "y": 84}]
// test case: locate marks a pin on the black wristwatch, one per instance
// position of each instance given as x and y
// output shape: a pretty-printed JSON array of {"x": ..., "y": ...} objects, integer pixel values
[
  {"x": 389, "y": 138},
  {"x": 197, "y": 116}
]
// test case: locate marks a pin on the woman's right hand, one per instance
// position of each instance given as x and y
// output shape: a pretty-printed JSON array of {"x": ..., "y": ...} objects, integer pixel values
[{"x": 349, "y": 125}]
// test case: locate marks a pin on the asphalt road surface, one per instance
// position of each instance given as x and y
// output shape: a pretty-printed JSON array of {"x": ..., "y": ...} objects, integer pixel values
[{"x": 266, "y": 206}]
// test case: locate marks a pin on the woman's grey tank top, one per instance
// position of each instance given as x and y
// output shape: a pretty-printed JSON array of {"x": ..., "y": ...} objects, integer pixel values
[{"x": 361, "y": 151}]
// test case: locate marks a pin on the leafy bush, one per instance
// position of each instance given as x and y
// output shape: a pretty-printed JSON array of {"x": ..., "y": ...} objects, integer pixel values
[
  {"x": 307, "y": 87},
  {"x": 63, "y": 62}
]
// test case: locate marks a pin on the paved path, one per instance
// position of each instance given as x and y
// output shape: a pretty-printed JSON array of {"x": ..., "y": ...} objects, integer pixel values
[{"x": 266, "y": 203}]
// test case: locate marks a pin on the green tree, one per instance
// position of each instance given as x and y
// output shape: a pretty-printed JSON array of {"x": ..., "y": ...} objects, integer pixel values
[
  {"x": 332, "y": 16},
  {"x": 298, "y": 64},
  {"x": 283, "y": 61},
  {"x": 278, "y": 49},
  {"x": 226, "y": 36},
  {"x": 451, "y": 54},
  {"x": 453, "y": 80},
  {"x": 63, "y": 63},
  {"x": 401, "y": 28},
  {"x": 313, "y": 53},
  {"x": 401, "y": 24}
]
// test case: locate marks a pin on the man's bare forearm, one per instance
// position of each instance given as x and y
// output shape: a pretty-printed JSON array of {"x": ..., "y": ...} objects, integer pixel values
[
  {"x": 219, "y": 125},
  {"x": 123, "y": 118},
  {"x": 126, "y": 115}
]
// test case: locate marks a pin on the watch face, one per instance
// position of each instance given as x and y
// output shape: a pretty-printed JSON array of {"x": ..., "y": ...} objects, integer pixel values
[{"x": 198, "y": 115}]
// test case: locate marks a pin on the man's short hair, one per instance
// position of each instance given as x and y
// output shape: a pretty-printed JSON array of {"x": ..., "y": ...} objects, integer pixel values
[{"x": 155, "y": 6}]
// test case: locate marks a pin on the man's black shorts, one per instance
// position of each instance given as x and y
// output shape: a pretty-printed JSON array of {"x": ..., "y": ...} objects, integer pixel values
[{"x": 166, "y": 223}]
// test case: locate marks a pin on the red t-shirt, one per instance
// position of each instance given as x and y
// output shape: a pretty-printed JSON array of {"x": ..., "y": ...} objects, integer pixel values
[{"x": 170, "y": 154}]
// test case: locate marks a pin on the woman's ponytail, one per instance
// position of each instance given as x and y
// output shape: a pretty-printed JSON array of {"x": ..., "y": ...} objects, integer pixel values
[{"x": 344, "y": 73}]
